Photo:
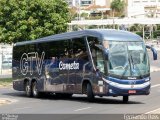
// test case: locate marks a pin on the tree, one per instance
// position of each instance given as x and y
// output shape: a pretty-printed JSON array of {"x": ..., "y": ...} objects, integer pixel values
[
  {"x": 117, "y": 6},
  {"x": 73, "y": 13},
  {"x": 22, "y": 20}
]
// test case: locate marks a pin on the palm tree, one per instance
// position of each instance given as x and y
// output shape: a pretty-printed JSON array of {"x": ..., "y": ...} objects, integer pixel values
[{"x": 117, "y": 6}]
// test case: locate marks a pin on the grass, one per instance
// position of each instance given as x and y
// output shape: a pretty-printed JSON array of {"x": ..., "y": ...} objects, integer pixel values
[{"x": 5, "y": 81}]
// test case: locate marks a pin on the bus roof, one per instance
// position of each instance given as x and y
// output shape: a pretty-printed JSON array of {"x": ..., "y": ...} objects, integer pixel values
[{"x": 101, "y": 34}]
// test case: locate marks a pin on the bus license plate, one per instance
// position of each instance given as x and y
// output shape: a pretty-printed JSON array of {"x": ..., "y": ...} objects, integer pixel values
[{"x": 132, "y": 91}]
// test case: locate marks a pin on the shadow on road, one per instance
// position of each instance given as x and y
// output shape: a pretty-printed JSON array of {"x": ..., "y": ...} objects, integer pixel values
[{"x": 75, "y": 98}]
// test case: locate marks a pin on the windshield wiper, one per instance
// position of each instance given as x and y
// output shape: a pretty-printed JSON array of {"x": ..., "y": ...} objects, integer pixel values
[
  {"x": 134, "y": 65},
  {"x": 131, "y": 69},
  {"x": 126, "y": 68},
  {"x": 132, "y": 61}
]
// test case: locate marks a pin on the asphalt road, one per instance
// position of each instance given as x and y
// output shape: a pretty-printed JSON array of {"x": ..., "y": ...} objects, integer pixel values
[{"x": 78, "y": 104}]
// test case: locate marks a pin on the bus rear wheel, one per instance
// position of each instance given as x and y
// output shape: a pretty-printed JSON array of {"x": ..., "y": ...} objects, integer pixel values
[
  {"x": 125, "y": 99},
  {"x": 35, "y": 90},
  {"x": 28, "y": 89},
  {"x": 90, "y": 94}
]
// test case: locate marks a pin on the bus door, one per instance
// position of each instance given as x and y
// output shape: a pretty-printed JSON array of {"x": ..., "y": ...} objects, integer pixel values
[
  {"x": 99, "y": 62},
  {"x": 81, "y": 61}
]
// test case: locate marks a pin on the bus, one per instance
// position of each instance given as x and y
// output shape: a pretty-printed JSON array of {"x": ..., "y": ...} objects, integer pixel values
[{"x": 95, "y": 62}]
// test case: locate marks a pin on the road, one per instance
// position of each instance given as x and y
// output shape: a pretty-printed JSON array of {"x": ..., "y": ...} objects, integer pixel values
[{"x": 78, "y": 104}]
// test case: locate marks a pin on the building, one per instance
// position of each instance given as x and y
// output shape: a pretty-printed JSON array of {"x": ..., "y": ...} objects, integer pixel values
[
  {"x": 142, "y": 8},
  {"x": 90, "y": 6},
  {"x": 5, "y": 58},
  {"x": 134, "y": 8},
  {"x": 81, "y": 3},
  {"x": 87, "y": 3}
]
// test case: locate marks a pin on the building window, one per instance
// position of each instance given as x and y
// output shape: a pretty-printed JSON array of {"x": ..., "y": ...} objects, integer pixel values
[{"x": 86, "y": 2}]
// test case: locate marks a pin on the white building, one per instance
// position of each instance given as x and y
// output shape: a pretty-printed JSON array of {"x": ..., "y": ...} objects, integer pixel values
[
  {"x": 143, "y": 8},
  {"x": 75, "y": 3},
  {"x": 83, "y": 3},
  {"x": 5, "y": 58}
]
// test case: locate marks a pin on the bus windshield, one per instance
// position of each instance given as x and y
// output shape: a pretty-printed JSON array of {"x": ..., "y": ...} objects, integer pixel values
[{"x": 128, "y": 59}]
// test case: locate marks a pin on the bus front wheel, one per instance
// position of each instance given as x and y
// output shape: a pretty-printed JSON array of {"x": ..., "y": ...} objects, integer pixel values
[
  {"x": 90, "y": 94},
  {"x": 28, "y": 89},
  {"x": 125, "y": 99}
]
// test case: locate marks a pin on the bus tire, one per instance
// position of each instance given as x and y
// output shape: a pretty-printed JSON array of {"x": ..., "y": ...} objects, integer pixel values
[
  {"x": 90, "y": 95},
  {"x": 35, "y": 90},
  {"x": 125, "y": 99},
  {"x": 28, "y": 89}
]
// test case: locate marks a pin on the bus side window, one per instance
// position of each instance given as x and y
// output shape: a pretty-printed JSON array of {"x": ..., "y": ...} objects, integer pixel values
[{"x": 79, "y": 49}]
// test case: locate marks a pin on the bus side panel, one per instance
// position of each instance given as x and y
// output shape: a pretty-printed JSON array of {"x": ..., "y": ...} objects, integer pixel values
[
  {"x": 18, "y": 78},
  {"x": 18, "y": 85},
  {"x": 99, "y": 65},
  {"x": 41, "y": 84},
  {"x": 27, "y": 65}
]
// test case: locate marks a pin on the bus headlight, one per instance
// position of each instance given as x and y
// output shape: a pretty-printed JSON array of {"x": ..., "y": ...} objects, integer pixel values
[{"x": 147, "y": 79}]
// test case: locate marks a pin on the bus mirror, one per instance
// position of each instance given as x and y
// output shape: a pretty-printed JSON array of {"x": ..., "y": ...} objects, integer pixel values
[{"x": 153, "y": 51}]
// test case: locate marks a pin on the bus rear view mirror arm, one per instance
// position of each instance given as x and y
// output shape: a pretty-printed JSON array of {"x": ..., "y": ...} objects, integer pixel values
[
  {"x": 154, "y": 51},
  {"x": 106, "y": 51}
]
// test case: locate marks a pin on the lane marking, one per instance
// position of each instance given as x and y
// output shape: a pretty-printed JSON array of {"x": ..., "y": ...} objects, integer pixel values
[
  {"x": 153, "y": 111},
  {"x": 82, "y": 109},
  {"x": 157, "y": 85},
  {"x": 22, "y": 108},
  {"x": 32, "y": 102}
]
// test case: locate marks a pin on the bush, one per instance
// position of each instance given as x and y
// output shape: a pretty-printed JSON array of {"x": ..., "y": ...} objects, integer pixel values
[
  {"x": 156, "y": 33},
  {"x": 139, "y": 33}
]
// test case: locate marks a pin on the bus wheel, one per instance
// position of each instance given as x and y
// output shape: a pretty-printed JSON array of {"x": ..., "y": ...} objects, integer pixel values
[
  {"x": 28, "y": 89},
  {"x": 125, "y": 99},
  {"x": 90, "y": 95},
  {"x": 34, "y": 90}
]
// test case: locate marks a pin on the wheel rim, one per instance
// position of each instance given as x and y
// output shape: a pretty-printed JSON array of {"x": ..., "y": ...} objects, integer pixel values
[
  {"x": 27, "y": 89},
  {"x": 34, "y": 89}
]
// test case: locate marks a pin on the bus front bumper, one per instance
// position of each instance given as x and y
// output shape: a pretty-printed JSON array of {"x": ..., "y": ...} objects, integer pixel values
[
  {"x": 114, "y": 91},
  {"x": 134, "y": 87}
]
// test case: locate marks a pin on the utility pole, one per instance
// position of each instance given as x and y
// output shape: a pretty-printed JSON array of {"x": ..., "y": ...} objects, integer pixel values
[{"x": 79, "y": 9}]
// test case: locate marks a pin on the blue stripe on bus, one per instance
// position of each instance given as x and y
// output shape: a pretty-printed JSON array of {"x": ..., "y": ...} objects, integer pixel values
[
  {"x": 125, "y": 81},
  {"x": 119, "y": 91}
]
